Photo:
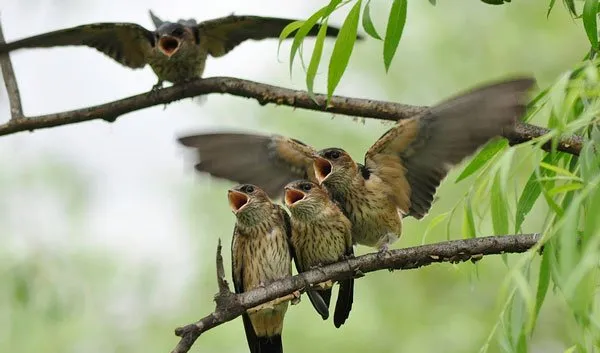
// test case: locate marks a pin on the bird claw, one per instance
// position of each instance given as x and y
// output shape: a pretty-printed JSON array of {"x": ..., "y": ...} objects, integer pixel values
[{"x": 296, "y": 298}]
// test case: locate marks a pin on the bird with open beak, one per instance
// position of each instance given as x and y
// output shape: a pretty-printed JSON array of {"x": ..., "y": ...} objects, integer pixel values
[
  {"x": 260, "y": 254},
  {"x": 321, "y": 235},
  {"x": 176, "y": 51},
  {"x": 401, "y": 171}
]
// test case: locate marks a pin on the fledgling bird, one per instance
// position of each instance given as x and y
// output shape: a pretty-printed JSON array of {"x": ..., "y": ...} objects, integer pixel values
[
  {"x": 321, "y": 235},
  {"x": 401, "y": 171},
  {"x": 176, "y": 52},
  {"x": 260, "y": 254}
]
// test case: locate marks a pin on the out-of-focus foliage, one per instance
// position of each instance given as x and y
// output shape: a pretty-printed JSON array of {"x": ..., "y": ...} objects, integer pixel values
[{"x": 63, "y": 294}]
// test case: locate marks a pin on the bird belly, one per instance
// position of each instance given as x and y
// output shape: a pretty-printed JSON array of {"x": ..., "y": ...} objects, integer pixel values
[
  {"x": 318, "y": 244},
  {"x": 182, "y": 66},
  {"x": 376, "y": 226}
]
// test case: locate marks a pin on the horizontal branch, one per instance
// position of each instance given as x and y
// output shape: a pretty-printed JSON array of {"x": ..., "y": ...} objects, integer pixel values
[
  {"x": 264, "y": 94},
  {"x": 230, "y": 306}
]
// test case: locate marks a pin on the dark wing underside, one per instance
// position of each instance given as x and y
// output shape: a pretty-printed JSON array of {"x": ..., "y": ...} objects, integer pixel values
[
  {"x": 127, "y": 43},
  {"x": 225, "y": 33},
  {"x": 270, "y": 162}
]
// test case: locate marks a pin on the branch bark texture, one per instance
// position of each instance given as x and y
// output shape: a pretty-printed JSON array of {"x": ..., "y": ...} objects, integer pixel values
[
  {"x": 229, "y": 305},
  {"x": 264, "y": 94}
]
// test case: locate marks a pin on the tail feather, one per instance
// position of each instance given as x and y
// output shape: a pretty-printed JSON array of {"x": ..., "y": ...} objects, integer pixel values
[
  {"x": 271, "y": 344},
  {"x": 343, "y": 305},
  {"x": 320, "y": 301}
]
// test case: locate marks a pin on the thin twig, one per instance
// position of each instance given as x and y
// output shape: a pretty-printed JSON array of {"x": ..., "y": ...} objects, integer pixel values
[
  {"x": 10, "y": 81},
  {"x": 401, "y": 259},
  {"x": 264, "y": 94}
]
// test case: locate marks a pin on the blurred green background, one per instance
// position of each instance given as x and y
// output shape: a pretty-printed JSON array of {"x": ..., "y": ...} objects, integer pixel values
[{"x": 62, "y": 288}]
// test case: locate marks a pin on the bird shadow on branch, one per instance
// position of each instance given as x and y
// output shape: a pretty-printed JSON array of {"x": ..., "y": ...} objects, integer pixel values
[{"x": 229, "y": 305}]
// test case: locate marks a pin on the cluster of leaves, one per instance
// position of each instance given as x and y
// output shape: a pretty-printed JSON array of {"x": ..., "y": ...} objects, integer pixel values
[
  {"x": 349, "y": 33},
  {"x": 567, "y": 186}
]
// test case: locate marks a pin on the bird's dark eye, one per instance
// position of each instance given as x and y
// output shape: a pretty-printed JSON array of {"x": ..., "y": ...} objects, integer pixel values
[
  {"x": 248, "y": 189},
  {"x": 306, "y": 187},
  {"x": 177, "y": 32},
  {"x": 334, "y": 154}
]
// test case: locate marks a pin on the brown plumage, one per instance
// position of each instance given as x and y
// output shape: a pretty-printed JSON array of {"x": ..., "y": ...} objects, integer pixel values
[
  {"x": 401, "y": 171},
  {"x": 260, "y": 254},
  {"x": 321, "y": 235},
  {"x": 175, "y": 51}
]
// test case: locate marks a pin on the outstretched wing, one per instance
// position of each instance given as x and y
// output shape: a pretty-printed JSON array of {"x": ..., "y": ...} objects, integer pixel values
[
  {"x": 413, "y": 157},
  {"x": 127, "y": 43},
  {"x": 225, "y": 33},
  {"x": 270, "y": 162}
]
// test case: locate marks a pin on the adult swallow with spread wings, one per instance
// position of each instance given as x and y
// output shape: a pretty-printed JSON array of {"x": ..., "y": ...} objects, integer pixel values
[
  {"x": 321, "y": 235},
  {"x": 401, "y": 171},
  {"x": 260, "y": 254},
  {"x": 176, "y": 52}
]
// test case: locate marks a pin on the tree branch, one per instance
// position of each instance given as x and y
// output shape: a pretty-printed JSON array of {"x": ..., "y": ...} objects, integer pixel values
[
  {"x": 454, "y": 251},
  {"x": 10, "y": 81},
  {"x": 264, "y": 94}
]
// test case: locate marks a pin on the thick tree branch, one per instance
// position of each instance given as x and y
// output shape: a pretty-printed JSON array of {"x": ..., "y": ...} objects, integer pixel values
[
  {"x": 264, "y": 94},
  {"x": 10, "y": 81},
  {"x": 232, "y": 306}
]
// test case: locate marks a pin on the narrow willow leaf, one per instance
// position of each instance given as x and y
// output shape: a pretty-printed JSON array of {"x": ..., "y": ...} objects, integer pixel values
[
  {"x": 570, "y": 4},
  {"x": 564, "y": 188},
  {"x": 303, "y": 31},
  {"x": 287, "y": 30},
  {"x": 499, "y": 208},
  {"x": 468, "y": 224},
  {"x": 367, "y": 22},
  {"x": 343, "y": 48},
  {"x": 485, "y": 155},
  {"x": 543, "y": 283},
  {"x": 393, "y": 32},
  {"x": 433, "y": 2},
  {"x": 315, "y": 59},
  {"x": 550, "y": 6},
  {"x": 433, "y": 223},
  {"x": 531, "y": 192},
  {"x": 559, "y": 170}
]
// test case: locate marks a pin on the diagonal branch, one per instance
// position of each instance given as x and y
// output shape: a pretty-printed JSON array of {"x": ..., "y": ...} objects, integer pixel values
[
  {"x": 401, "y": 259},
  {"x": 10, "y": 81},
  {"x": 264, "y": 94}
]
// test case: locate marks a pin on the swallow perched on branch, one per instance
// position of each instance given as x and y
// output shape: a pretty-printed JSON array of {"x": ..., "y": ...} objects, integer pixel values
[
  {"x": 260, "y": 254},
  {"x": 176, "y": 52},
  {"x": 401, "y": 171},
  {"x": 321, "y": 235}
]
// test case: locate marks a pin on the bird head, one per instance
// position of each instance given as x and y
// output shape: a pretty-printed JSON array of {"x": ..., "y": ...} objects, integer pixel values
[
  {"x": 333, "y": 165},
  {"x": 173, "y": 37},
  {"x": 249, "y": 203},
  {"x": 305, "y": 198}
]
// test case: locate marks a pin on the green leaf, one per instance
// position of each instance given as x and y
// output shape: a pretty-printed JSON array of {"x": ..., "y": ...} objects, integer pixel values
[
  {"x": 499, "y": 207},
  {"x": 433, "y": 2},
  {"x": 393, "y": 32},
  {"x": 564, "y": 188},
  {"x": 590, "y": 10},
  {"x": 433, "y": 223},
  {"x": 559, "y": 170},
  {"x": 367, "y": 23},
  {"x": 570, "y": 4},
  {"x": 531, "y": 192},
  {"x": 315, "y": 59},
  {"x": 550, "y": 6},
  {"x": 287, "y": 30},
  {"x": 304, "y": 29},
  {"x": 468, "y": 224},
  {"x": 543, "y": 283},
  {"x": 486, "y": 154},
  {"x": 343, "y": 48}
]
